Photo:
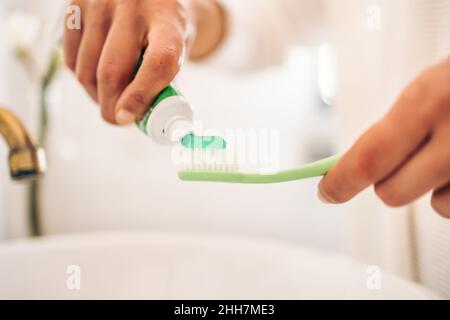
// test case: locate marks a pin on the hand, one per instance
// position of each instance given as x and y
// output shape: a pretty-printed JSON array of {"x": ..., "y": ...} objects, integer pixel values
[
  {"x": 404, "y": 155},
  {"x": 105, "y": 52}
]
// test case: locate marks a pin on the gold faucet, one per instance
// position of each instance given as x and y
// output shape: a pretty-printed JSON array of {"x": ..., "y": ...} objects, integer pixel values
[{"x": 26, "y": 159}]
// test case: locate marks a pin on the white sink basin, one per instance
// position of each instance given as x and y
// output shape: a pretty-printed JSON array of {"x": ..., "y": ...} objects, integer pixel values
[{"x": 176, "y": 266}]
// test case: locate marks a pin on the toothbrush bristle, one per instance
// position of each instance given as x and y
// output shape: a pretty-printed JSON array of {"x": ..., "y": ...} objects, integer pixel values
[{"x": 212, "y": 161}]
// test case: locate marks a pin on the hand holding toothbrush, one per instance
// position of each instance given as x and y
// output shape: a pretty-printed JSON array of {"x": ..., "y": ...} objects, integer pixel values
[
  {"x": 104, "y": 53},
  {"x": 404, "y": 155}
]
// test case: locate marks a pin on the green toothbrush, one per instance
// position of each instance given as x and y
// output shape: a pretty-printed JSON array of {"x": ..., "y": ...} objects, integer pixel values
[
  {"x": 170, "y": 120},
  {"x": 315, "y": 169}
]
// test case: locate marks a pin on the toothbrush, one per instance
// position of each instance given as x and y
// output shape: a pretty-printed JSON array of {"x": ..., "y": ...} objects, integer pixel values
[
  {"x": 218, "y": 174},
  {"x": 169, "y": 121}
]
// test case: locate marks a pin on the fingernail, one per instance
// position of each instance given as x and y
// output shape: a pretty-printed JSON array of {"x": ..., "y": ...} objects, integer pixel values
[
  {"x": 125, "y": 117},
  {"x": 322, "y": 198}
]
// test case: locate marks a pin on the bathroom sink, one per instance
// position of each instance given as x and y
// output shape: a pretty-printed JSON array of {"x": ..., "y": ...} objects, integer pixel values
[{"x": 177, "y": 266}]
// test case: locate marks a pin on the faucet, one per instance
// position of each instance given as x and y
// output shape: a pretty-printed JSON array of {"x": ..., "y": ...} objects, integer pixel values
[{"x": 26, "y": 160}]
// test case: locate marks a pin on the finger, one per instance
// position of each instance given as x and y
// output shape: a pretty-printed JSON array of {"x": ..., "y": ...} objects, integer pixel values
[
  {"x": 382, "y": 148},
  {"x": 119, "y": 57},
  {"x": 72, "y": 34},
  {"x": 161, "y": 63},
  {"x": 440, "y": 201},
  {"x": 98, "y": 21},
  {"x": 428, "y": 169}
]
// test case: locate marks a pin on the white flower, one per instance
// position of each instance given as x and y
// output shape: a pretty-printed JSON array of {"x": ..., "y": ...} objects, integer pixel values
[{"x": 22, "y": 30}]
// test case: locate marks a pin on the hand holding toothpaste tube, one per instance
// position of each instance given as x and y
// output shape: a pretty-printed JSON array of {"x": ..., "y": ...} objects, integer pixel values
[{"x": 105, "y": 50}]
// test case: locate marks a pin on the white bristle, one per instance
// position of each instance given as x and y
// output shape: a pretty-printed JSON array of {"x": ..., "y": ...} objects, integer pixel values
[{"x": 211, "y": 161}]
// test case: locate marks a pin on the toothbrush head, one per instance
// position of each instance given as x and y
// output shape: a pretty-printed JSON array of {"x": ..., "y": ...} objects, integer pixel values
[
  {"x": 218, "y": 171},
  {"x": 207, "y": 154},
  {"x": 210, "y": 160}
]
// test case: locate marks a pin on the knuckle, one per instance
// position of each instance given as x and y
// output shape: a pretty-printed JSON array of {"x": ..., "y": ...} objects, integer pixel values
[
  {"x": 364, "y": 166},
  {"x": 389, "y": 197},
  {"x": 137, "y": 101},
  {"x": 86, "y": 78},
  {"x": 111, "y": 76},
  {"x": 166, "y": 62}
]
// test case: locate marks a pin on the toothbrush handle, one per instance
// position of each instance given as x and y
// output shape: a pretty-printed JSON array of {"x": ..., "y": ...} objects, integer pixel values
[{"x": 315, "y": 169}]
